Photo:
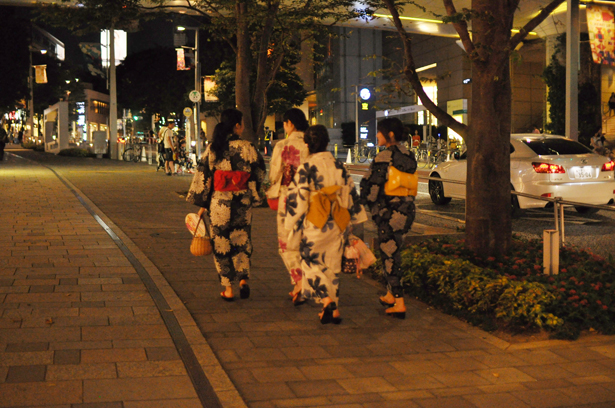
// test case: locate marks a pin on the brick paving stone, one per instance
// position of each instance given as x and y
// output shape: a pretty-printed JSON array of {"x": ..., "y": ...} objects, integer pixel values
[
  {"x": 161, "y": 353},
  {"x": 545, "y": 372},
  {"x": 113, "y": 355},
  {"x": 33, "y": 394},
  {"x": 461, "y": 379},
  {"x": 144, "y": 388},
  {"x": 67, "y": 356},
  {"x": 278, "y": 374},
  {"x": 22, "y": 347},
  {"x": 3, "y": 372},
  {"x": 366, "y": 384},
  {"x": 125, "y": 332},
  {"x": 544, "y": 398},
  {"x": 267, "y": 392},
  {"x": 41, "y": 289},
  {"x": 504, "y": 375},
  {"x": 99, "y": 405},
  {"x": 26, "y": 374},
  {"x": 451, "y": 402},
  {"x": 496, "y": 400},
  {"x": 150, "y": 369},
  {"x": 585, "y": 394},
  {"x": 81, "y": 371},
  {"x": 27, "y": 358},
  {"x": 325, "y": 372},
  {"x": 176, "y": 403}
]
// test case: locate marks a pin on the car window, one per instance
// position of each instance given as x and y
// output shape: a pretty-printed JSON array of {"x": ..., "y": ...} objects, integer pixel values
[{"x": 555, "y": 147}]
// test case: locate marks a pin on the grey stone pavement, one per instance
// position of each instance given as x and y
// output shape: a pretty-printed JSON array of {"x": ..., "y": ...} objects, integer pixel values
[{"x": 79, "y": 326}]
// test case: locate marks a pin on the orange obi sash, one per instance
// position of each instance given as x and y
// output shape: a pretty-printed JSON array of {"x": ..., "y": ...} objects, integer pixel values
[{"x": 231, "y": 180}]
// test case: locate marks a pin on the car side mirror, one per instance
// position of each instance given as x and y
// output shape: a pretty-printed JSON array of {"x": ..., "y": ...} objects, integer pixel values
[{"x": 456, "y": 155}]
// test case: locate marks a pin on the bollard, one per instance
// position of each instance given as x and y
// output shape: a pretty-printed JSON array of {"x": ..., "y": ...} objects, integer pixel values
[
  {"x": 143, "y": 155},
  {"x": 336, "y": 150},
  {"x": 349, "y": 158},
  {"x": 550, "y": 252}
]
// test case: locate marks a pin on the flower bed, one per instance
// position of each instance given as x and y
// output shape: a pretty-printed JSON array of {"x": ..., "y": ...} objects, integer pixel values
[{"x": 512, "y": 292}]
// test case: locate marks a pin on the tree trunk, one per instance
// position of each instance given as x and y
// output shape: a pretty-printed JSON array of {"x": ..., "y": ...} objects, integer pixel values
[
  {"x": 242, "y": 69},
  {"x": 488, "y": 211}
]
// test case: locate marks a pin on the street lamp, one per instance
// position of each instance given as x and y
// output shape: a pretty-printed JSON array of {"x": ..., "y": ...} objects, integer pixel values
[{"x": 197, "y": 87}]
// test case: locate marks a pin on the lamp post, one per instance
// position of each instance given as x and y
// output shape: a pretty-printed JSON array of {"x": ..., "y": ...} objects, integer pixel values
[{"x": 197, "y": 87}]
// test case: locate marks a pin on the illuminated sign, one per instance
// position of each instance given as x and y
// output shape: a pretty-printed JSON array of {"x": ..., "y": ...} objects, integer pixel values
[
  {"x": 363, "y": 132},
  {"x": 365, "y": 106},
  {"x": 467, "y": 80},
  {"x": 120, "y": 46},
  {"x": 365, "y": 94}
]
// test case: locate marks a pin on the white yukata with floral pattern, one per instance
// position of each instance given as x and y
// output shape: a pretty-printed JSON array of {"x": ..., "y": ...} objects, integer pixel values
[
  {"x": 288, "y": 154},
  {"x": 230, "y": 211},
  {"x": 321, "y": 249}
]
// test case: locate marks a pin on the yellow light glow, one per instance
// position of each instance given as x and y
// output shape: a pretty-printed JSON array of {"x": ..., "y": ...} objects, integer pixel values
[
  {"x": 426, "y": 67},
  {"x": 425, "y": 20},
  {"x": 514, "y": 30}
]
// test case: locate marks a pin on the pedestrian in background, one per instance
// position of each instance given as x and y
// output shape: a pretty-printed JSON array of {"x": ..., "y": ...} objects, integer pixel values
[
  {"x": 612, "y": 103},
  {"x": 166, "y": 135},
  {"x": 288, "y": 154},
  {"x": 4, "y": 138},
  {"x": 392, "y": 214},
  {"x": 322, "y": 202},
  {"x": 227, "y": 185}
]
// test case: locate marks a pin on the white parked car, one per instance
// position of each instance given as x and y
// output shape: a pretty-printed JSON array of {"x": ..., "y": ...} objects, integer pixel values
[{"x": 542, "y": 165}]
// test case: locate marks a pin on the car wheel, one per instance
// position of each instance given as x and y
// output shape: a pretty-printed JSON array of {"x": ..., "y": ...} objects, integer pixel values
[
  {"x": 436, "y": 192},
  {"x": 586, "y": 210}
]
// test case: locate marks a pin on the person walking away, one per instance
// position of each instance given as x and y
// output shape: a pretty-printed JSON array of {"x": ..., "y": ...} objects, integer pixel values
[
  {"x": 321, "y": 204},
  {"x": 392, "y": 207},
  {"x": 4, "y": 138},
  {"x": 612, "y": 103},
  {"x": 288, "y": 154},
  {"x": 169, "y": 148},
  {"x": 227, "y": 184}
]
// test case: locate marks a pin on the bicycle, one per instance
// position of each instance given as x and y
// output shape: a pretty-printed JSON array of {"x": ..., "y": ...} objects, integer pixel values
[
  {"x": 362, "y": 153},
  {"x": 133, "y": 152}
]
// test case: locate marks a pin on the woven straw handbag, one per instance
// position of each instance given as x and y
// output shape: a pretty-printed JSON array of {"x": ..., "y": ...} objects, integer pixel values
[{"x": 200, "y": 246}]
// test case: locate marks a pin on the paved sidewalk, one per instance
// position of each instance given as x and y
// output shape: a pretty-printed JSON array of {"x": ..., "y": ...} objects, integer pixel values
[
  {"x": 277, "y": 355},
  {"x": 78, "y": 328}
]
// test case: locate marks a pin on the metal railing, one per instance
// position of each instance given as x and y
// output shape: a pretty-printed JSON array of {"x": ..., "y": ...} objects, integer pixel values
[{"x": 558, "y": 204}]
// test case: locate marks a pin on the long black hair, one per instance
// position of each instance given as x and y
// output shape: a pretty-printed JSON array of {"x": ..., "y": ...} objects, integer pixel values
[
  {"x": 297, "y": 118},
  {"x": 228, "y": 119}
]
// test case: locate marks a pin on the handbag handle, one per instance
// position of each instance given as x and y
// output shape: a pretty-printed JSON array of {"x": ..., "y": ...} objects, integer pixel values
[
  {"x": 197, "y": 227},
  {"x": 207, "y": 229}
]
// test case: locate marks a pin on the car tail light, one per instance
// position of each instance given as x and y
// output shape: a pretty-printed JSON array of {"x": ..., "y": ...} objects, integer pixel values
[
  {"x": 547, "y": 195},
  {"x": 608, "y": 166},
  {"x": 548, "y": 168}
]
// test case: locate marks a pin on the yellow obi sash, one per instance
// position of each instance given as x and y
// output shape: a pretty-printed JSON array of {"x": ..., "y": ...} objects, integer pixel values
[
  {"x": 400, "y": 183},
  {"x": 325, "y": 202}
]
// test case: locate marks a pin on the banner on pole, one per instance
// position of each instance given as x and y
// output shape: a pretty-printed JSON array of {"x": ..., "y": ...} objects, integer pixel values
[
  {"x": 181, "y": 60},
  {"x": 208, "y": 87},
  {"x": 40, "y": 74},
  {"x": 601, "y": 27}
]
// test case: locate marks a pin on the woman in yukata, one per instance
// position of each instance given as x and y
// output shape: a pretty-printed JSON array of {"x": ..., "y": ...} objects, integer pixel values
[
  {"x": 227, "y": 184},
  {"x": 287, "y": 155},
  {"x": 322, "y": 203},
  {"x": 393, "y": 214}
]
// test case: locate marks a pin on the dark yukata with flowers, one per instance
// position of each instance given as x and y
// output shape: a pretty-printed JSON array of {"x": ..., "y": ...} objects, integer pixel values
[
  {"x": 229, "y": 188},
  {"x": 393, "y": 215}
]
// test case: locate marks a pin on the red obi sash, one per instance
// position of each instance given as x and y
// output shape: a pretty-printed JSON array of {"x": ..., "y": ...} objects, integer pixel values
[{"x": 231, "y": 180}]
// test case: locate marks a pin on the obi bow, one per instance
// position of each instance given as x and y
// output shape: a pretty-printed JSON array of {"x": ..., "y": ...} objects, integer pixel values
[
  {"x": 324, "y": 203},
  {"x": 231, "y": 180}
]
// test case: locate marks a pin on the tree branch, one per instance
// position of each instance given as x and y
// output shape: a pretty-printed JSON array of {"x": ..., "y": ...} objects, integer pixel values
[
  {"x": 462, "y": 29},
  {"x": 533, "y": 23},
  {"x": 412, "y": 77}
]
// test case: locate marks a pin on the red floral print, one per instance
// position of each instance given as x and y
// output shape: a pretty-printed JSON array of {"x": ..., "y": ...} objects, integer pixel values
[{"x": 291, "y": 158}]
